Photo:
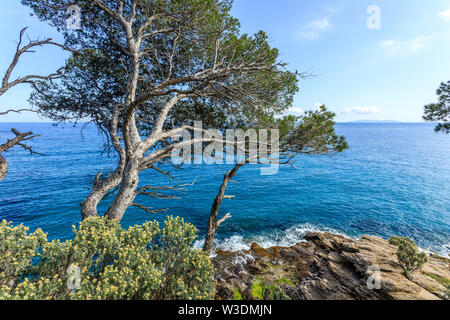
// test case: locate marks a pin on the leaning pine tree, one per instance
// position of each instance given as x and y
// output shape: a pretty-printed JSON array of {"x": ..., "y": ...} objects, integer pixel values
[
  {"x": 311, "y": 134},
  {"x": 145, "y": 70}
]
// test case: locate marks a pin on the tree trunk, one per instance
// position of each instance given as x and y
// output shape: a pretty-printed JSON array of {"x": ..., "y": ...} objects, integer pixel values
[
  {"x": 212, "y": 223},
  {"x": 100, "y": 189},
  {"x": 127, "y": 191},
  {"x": 3, "y": 167}
]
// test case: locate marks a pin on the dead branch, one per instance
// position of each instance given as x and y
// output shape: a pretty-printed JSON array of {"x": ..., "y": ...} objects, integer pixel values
[
  {"x": 16, "y": 141},
  {"x": 225, "y": 218},
  {"x": 6, "y": 84},
  {"x": 16, "y": 111},
  {"x": 149, "y": 209}
]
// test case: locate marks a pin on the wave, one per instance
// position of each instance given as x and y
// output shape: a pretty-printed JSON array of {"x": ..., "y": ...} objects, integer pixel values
[
  {"x": 282, "y": 238},
  {"x": 290, "y": 237},
  {"x": 443, "y": 251}
]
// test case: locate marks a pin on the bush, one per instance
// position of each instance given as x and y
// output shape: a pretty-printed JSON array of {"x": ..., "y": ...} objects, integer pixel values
[
  {"x": 397, "y": 240},
  {"x": 104, "y": 261},
  {"x": 408, "y": 255},
  {"x": 264, "y": 291}
]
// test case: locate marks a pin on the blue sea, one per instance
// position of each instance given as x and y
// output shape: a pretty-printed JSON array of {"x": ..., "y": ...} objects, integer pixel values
[{"x": 394, "y": 180}]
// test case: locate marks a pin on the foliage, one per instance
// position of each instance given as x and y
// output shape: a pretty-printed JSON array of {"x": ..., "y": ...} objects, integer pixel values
[
  {"x": 237, "y": 295},
  {"x": 17, "y": 249},
  {"x": 285, "y": 281},
  {"x": 445, "y": 282},
  {"x": 185, "y": 43},
  {"x": 313, "y": 133},
  {"x": 145, "y": 70},
  {"x": 263, "y": 291},
  {"x": 408, "y": 255},
  {"x": 143, "y": 262},
  {"x": 395, "y": 240},
  {"x": 442, "y": 280},
  {"x": 316, "y": 134},
  {"x": 258, "y": 289},
  {"x": 440, "y": 111},
  {"x": 277, "y": 293}
]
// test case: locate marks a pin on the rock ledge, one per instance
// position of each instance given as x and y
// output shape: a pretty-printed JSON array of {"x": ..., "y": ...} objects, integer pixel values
[{"x": 327, "y": 267}]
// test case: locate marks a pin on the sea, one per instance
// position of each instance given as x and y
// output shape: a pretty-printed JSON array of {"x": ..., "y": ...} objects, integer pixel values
[{"x": 394, "y": 180}]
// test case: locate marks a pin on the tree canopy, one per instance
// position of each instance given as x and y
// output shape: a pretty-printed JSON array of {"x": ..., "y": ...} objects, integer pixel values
[
  {"x": 184, "y": 47},
  {"x": 143, "y": 70}
]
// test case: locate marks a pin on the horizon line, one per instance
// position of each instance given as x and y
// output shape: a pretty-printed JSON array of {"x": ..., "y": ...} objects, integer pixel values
[{"x": 352, "y": 121}]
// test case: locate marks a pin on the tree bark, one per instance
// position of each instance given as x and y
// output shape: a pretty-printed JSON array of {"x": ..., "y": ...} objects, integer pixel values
[
  {"x": 127, "y": 191},
  {"x": 103, "y": 187},
  {"x": 130, "y": 176},
  {"x": 212, "y": 223},
  {"x": 98, "y": 192},
  {"x": 3, "y": 167}
]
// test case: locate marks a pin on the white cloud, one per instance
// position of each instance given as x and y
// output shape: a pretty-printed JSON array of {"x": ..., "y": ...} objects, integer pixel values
[
  {"x": 295, "y": 110},
  {"x": 315, "y": 28},
  {"x": 388, "y": 44},
  {"x": 299, "y": 111},
  {"x": 406, "y": 47},
  {"x": 363, "y": 110},
  {"x": 445, "y": 15}
]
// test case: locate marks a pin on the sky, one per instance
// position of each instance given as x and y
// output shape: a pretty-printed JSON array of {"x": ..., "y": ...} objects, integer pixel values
[{"x": 368, "y": 59}]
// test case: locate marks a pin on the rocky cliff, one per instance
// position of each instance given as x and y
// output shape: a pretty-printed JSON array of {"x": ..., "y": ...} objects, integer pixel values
[{"x": 327, "y": 267}]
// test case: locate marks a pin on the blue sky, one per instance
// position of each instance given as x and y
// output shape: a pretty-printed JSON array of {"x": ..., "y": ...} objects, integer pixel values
[{"x": 388, "y": 73}]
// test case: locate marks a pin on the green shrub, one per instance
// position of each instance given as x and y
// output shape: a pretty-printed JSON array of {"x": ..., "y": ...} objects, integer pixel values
[
  {"x": 442, "y": 280},
  {"x": 396, "y": 240},
  {"x": 263, "y": 291},
  {"x": 258, "y": 289},
  {"x": 408, "y": 255},
  {"x": 104, "y": 261},
  {"x": 237, "y": 294}
]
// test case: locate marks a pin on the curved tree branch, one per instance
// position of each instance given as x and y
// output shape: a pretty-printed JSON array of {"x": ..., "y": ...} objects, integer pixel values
[
  {"x": 6, "y": 84},
  {"x": 16, "y": 141}
]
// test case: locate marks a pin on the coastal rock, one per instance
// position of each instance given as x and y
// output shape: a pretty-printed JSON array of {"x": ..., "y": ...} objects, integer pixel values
[{"x": 327, "y": 267}]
